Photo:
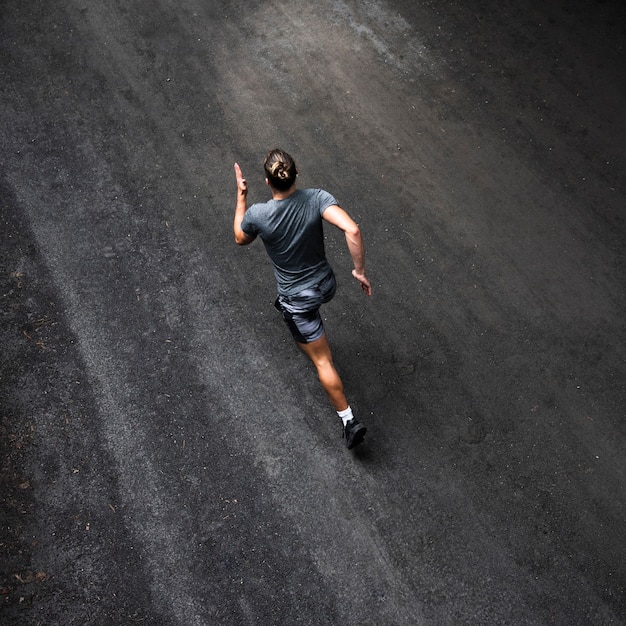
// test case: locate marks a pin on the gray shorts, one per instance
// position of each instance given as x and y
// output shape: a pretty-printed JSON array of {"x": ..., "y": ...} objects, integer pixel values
[{"x": 301, "y": 311}]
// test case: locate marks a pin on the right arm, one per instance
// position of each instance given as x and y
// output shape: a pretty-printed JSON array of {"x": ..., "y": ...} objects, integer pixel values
[
  {"x": 336, "y": 216},
  {"x": 240, "y": 208}
]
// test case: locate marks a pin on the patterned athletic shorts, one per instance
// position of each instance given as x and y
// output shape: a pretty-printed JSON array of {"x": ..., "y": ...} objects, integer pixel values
[{"x": 301, "y": 311}]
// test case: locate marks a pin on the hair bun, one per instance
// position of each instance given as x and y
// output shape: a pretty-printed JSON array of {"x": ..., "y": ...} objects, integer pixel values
[{"x": 280, "y": 168}]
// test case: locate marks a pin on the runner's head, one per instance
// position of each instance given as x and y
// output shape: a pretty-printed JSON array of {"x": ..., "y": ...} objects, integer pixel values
[{"x": 280, "y": 169}]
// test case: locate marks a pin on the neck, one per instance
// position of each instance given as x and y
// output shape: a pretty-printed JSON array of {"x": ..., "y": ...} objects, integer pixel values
[{"x": 281, "y": 195}]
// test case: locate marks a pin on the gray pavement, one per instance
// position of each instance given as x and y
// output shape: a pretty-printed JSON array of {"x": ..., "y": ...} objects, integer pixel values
[{"x": 168, "y": 456}]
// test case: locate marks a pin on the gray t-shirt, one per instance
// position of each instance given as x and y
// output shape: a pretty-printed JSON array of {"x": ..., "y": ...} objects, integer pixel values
[{"x": 292, "y": 232}]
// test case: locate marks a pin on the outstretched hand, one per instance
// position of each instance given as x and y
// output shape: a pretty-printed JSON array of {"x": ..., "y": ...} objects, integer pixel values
[
  {"x": 366, "y": 286},
  {"x": 242, "y": 183}
]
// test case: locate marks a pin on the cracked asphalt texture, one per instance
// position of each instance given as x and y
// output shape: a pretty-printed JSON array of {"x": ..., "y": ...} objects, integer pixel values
[{"x": 168, "y": 456}]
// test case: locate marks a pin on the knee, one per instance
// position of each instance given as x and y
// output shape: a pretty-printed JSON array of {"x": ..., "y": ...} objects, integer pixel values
[{"x": 324, "y": 364}]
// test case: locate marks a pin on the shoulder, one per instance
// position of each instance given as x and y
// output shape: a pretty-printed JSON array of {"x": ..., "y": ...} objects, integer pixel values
[
  {"x": 259, "y": 206},
  {"x": 313, "y": 192},
  {"x": 320, "y": 197},
  {"x": 257, "y": 209},
  {"x": 254, "y": 218}
]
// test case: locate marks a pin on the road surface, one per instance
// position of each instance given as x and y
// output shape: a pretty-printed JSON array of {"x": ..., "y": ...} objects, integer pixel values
[{"x": 168, "y": 456}]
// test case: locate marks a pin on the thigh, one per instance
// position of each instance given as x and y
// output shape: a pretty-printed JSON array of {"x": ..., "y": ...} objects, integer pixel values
[
  {"x": 305, "y": 327},
  {"x": 301, "y": 313}
]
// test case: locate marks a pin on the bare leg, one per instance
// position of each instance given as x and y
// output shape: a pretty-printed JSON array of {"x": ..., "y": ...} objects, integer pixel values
[{"x": 319, "y": 353}]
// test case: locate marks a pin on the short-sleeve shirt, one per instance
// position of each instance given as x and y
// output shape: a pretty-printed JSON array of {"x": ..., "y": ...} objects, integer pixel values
[{"x": 293, "y": 235}]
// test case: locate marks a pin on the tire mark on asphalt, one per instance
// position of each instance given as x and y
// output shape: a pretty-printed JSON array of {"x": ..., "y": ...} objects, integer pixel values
[{"x": 56, "y": 218}]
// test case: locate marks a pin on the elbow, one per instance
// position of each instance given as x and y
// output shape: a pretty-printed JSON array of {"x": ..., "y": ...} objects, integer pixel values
[
  {"x": 354, "y": 232},
  {"x": 241, "y": 239}
]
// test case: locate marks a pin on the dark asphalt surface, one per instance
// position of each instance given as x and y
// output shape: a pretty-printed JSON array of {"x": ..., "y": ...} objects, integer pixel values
[{"x": 168, "y": 456}]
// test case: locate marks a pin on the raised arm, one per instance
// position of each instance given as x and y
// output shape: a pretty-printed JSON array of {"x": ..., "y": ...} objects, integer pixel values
[
  {"x": 240, "y": 209},
  {"x": 336, "y": 216}
]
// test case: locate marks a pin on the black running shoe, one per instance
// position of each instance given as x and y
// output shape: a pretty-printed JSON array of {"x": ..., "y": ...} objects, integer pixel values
[{"x": 354, "y": 432}]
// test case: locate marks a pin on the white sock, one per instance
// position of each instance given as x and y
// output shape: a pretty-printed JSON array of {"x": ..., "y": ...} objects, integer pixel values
[{"x": 345, "y": 415}]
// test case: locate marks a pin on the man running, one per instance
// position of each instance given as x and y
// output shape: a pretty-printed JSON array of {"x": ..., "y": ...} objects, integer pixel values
[{"x": 290, "y": 226}]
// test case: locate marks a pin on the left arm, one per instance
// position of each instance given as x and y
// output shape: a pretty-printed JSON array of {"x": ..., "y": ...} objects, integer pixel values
[
  {"x": 336, "y": 216},
  {"x": 240, "y": 209}
]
